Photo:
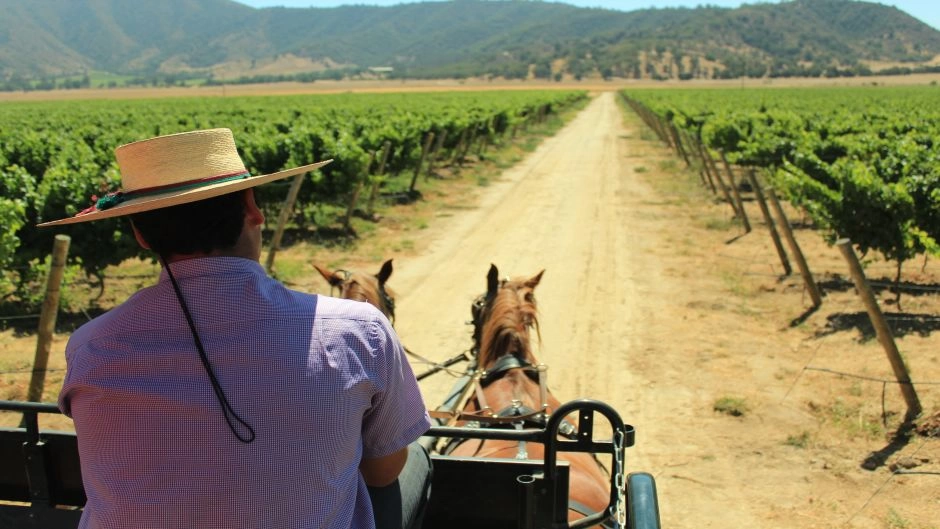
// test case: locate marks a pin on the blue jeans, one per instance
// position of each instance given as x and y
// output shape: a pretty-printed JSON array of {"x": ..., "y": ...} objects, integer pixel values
[{"x": 401, "y": 505}]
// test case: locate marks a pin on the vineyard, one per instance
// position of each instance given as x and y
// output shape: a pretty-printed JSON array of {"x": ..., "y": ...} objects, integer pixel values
[
  {"x": 752, "y": 409},
  {"x": 54, "y": 156},
  {"x": 862, "y": 162}
]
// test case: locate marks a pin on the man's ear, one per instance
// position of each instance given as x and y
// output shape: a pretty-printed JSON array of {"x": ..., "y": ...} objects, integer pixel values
[
  {"x": 253, "y": 213},
  {"x": 140, "y": 238}
]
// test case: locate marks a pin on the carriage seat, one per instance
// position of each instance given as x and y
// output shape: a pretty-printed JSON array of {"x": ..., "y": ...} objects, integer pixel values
[
  {"x": 40, "y": 479},
  {"x": 495, "y": 493}
]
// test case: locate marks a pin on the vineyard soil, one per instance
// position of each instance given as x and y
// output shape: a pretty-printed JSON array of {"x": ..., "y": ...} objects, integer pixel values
[{"x": 751, "y": 409}]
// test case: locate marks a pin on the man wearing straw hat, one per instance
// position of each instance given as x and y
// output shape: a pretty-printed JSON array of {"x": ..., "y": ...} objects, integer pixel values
[{"x": 220, "y": 398}]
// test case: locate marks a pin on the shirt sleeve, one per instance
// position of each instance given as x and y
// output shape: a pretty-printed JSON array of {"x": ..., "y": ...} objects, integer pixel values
[{"x": 398, "y": 415}]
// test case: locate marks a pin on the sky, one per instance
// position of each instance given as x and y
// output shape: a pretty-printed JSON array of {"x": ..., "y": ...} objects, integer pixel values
[{"x": 924, "y": 10}]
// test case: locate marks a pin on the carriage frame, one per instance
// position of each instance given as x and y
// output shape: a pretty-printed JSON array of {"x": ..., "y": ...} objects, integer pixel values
[{"x": 41, "y": 486}]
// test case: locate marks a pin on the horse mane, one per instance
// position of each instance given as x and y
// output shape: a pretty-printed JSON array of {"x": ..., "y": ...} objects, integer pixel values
[
  {"x": 507, "y": 313},
  {"x": 506, "y": 326}
]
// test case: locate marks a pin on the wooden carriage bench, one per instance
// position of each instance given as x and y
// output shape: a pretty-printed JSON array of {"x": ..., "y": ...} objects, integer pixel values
[
  {"x": 490, "y": 493},
  {"x": 40, "y": 476},
  {"x": 41, "y": 484}
]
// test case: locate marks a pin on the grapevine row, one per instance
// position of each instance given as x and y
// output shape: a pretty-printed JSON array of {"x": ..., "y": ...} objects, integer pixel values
[
  {"x": 862, "y": 162},
  {"x": 54, "y": 156}
]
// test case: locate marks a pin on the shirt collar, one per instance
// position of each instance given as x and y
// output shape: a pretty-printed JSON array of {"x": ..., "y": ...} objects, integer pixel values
[{"x": 202, "y": 266}]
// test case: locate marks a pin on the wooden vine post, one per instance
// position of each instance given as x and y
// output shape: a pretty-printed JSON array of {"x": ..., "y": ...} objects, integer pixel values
[
  {"x": 737, "y": 194},
  {"x": 661, "y": 128},
  {"x": 282, "y": 220},
  {"x": 458, "y": 150},
  {"x": 883, "y": 332},
  {"x": 424, "y": 154},
  {"x": 354, "y": 196},
  {"x": 787, "y": 230},
  {"x": 677, "y": 142},
  {"x": 485, "y": 138},
  {"x": 770, "y": 222},
  {"x": 721, "y": 181},
  {"x": 705, "y": 172},
  {"x": 374, "y": 193},
  {"x": 654, "y": 121},
  {"x": 47, "y": 317},
  {"x": 651, "y": 119},
  {"x": 435, "y": 153},
  {"x": 712, "y": 175},
  {"x": 469, "y": 145}
]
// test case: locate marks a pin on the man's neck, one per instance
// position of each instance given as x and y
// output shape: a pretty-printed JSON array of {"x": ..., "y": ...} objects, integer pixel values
[{"x": 231, "y": 252}]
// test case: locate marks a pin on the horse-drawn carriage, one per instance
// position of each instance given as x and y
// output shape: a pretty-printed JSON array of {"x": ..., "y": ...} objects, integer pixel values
[{"x": 506, "y": 453}]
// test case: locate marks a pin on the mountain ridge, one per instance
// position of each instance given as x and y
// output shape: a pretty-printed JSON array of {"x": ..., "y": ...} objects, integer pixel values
[{"x": 223, "y": 39}]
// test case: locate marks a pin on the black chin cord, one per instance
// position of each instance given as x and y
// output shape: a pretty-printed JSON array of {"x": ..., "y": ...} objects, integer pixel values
[{"x": 227, "y": 409}]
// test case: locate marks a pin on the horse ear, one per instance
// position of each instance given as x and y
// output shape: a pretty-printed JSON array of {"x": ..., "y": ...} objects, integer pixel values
[
  {"x": 533, "y": 281},
  {"x": 331, "y": 277},
  {"x": 385, "y": 272},
  {"x": 492, "y": 280}
]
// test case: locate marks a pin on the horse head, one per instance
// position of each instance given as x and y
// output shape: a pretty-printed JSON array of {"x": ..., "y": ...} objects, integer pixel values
[
  {"x": 511, "y": 385},
  {"x": 504, "y": 318},
  {"x": 364, "y": 287}
]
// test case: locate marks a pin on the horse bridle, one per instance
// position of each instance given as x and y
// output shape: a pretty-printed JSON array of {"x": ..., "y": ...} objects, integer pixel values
[
  {"x": 504, "y": 364},
  {"x": 477, "y": 308},
  {"x": 515, "y": 414}
]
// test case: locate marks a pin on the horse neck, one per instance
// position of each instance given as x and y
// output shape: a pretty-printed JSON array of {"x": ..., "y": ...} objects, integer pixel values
[
  {"x": 512, "y": 388},
  {"x": 363, "y": 288},
  {"x": 504, "y": 342},
  {"x": 505, "y": 332},
  {"x": 505, "y": 329}
]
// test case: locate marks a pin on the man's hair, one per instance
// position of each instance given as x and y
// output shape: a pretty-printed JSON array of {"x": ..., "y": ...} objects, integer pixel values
[{"x": 201, "y": 226}]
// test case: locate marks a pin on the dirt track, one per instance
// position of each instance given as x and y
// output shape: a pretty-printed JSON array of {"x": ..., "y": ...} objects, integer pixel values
[
  {"x": 564, "y": 210},
  {"x": 640, "y": 308},
  {"x": 576, "y": 209}
]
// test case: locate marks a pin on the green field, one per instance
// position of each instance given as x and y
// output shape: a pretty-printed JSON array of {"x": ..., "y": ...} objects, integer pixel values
[
  {"x": 863, "y": 162},
  {"x": 56, "y": 155}
]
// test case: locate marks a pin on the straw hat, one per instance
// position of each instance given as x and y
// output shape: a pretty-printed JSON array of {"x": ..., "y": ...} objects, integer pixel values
[{"x": 176, "y": 169}]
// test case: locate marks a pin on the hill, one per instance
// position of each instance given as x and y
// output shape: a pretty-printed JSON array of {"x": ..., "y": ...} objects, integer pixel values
[{"x": 45, "y": 41}]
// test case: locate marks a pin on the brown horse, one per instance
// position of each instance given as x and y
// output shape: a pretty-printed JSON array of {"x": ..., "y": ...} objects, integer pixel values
[
  {"x": 364, "y": 287},
  {"x": 504, "y": 321}
]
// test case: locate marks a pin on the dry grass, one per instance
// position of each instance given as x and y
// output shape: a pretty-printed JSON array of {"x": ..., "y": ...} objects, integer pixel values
[{"x": 327, "y": 87}]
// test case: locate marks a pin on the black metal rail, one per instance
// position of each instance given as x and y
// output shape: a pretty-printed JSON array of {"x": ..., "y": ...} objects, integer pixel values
[{"x": 550, "y": 438}]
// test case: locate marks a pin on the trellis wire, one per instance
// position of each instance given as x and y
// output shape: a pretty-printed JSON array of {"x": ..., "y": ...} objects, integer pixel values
[
  {"x": 30, "y": 371},
  {"x": 886, "y": 481}
]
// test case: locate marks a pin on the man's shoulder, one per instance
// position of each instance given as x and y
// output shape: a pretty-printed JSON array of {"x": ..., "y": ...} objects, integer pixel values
[
  {"x": 340, "y": 308},
  {"x": 111, "y": 320}
]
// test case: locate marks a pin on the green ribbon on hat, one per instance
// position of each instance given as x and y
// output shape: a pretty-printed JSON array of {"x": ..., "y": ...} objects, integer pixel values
[{"x": 113, "y": 199}]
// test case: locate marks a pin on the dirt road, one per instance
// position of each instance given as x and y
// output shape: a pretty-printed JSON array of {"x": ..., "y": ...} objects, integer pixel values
[
  {"x": 567, "y": 210},
  {"x": 639, "y": 307},
  {"x": 576, "y": 209}
]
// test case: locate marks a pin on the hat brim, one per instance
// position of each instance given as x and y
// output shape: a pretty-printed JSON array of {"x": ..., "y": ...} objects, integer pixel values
[{"x": 175, "y": 198}]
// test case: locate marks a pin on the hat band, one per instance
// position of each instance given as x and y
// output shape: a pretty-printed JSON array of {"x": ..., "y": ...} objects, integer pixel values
[{"x": 117, "y": 197}]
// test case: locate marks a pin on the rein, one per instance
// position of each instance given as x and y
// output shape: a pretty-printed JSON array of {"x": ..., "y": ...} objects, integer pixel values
[{"x": 513, "y": 414}]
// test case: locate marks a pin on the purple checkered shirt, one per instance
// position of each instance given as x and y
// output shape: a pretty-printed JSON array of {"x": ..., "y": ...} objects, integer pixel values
[{"x": 322, "y": 381}]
